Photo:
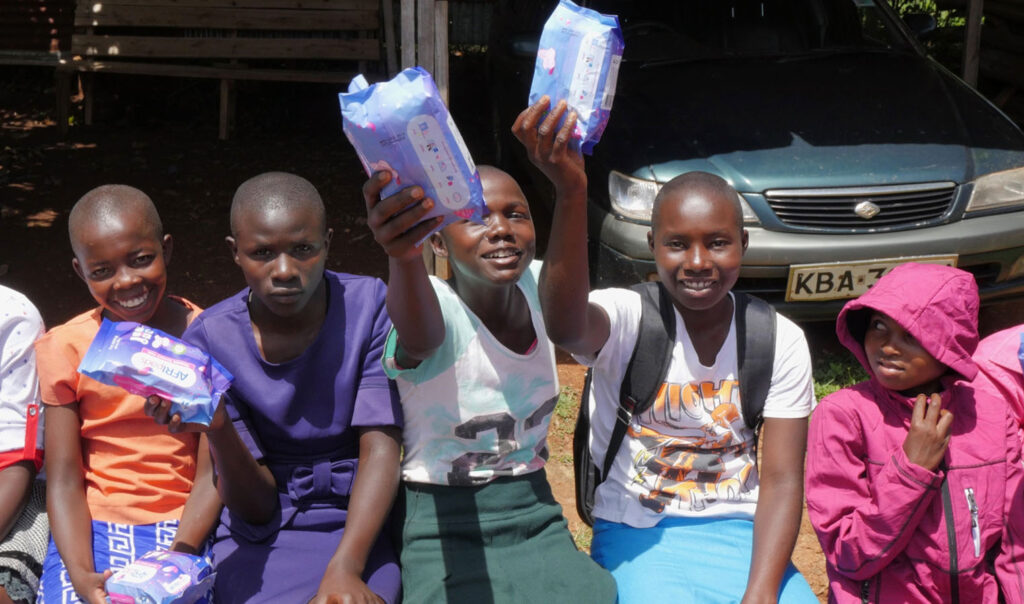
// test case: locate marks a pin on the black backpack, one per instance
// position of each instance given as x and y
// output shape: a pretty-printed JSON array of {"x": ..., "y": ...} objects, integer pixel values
[{"x": 755, "y": 342}]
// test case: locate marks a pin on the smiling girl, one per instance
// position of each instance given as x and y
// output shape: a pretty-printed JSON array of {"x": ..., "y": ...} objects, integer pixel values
[
  {"x": 117, "y": 484},
  {"x": 476, "y": 372}
]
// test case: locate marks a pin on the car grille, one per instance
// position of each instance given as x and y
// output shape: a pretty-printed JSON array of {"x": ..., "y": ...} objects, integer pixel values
[{"x": 894, "y": 207}]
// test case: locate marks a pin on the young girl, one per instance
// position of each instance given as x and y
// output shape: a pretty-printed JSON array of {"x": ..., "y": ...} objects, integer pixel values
[
  {"x": 914, "y": 476},
  {"x": 117, "y": 485},
  {"x": 684, "y": 513},
  {"x": 307, "y": 466},
  {"x": 476, "y": 372}
]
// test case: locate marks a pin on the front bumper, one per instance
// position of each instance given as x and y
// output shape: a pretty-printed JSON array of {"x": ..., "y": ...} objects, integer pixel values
[{"x": 990, "y": 247}]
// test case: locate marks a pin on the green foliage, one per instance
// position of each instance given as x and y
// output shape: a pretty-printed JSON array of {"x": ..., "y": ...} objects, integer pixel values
[{"x": 833, "y": 372}]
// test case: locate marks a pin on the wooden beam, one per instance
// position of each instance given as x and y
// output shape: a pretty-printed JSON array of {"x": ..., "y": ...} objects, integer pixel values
[
  {"x": 425, "y": 34},
  {"x": 240, "y": 48},
  {"x": 972, "y": 43},
  {"x": 408, "y": 32},
  {"x": 84, "y": 5},
  {"x": 238, "y": 72},
  {"x": 390, "y": 48},
  {"x": 229, "y": 18}
]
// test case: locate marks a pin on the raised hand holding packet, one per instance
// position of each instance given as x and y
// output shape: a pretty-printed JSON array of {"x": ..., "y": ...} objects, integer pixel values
[
  {"x": 146, "y": 361},
  {"x": 578, "y": 60},
  {"x": 403, "y": 126}
]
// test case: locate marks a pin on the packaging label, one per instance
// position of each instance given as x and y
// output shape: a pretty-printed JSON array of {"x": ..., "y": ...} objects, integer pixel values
[{"x": 438, "y": 162}]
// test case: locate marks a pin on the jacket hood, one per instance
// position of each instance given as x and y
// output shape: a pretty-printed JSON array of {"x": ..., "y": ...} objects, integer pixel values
[{"x": 936, "y": 304}]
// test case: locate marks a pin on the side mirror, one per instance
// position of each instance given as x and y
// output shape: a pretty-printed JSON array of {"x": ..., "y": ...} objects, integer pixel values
[{"x": 920, "y": 24}]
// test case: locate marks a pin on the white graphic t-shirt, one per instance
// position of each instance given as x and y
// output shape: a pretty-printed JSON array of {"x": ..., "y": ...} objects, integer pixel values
[
  {"x": 691, "y": 453},
  {"x": 475, "y": 410}
]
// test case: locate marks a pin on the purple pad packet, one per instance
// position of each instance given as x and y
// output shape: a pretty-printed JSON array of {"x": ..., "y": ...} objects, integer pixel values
[
  {"x": 147, "y": 361},
  {"x": 161, "y": 577}
]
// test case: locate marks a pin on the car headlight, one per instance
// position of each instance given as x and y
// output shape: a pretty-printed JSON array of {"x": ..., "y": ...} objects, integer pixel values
[
  {"x": 997, "y": 190},
  {"x": 633, "y": 198}
]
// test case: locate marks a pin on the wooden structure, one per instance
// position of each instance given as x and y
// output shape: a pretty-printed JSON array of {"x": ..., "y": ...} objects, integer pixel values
[
  {"x": 35, "y": 32},
  {"x": 229, "y": 40},
  {"x": 424, "y": 42}
]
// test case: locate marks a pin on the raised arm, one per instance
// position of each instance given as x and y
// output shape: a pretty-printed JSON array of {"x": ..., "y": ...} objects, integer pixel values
[
  {"x": 373, "y": 493},
  {"x": 779, "y": 503},
  {"x": 411, "y": 302},
  {"x": 572, "y": 322},
  {"x": 70, "y": 520}
]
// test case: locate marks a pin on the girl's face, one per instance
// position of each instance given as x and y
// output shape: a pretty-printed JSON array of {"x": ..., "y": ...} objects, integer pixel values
[
  {"x": 898, "y": 360},
  {"x": 499, "y": 251},
  {"x": 282, "y": 254},
  {"x": 123, "y": 262}
]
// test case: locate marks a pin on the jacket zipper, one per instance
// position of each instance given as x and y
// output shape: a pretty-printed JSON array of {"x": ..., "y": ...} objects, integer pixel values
[
  {"x": 865, "y": 591},
  {"x": 954, "y": 573},
  {"x": 972, "y": 505}
]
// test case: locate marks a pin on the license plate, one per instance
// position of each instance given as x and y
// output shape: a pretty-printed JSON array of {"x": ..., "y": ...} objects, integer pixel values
[{"x": 839, "y": 280}]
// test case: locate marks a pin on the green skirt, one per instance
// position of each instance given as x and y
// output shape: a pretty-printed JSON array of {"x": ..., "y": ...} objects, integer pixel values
[{"x": 505, "y": 541}]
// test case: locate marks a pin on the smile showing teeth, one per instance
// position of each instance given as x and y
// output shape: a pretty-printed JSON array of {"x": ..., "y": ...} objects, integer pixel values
[
  {"x": 697, "y": 285},
  {"x": 133, "y": 302},
  {"x": 503, "y": 253}
]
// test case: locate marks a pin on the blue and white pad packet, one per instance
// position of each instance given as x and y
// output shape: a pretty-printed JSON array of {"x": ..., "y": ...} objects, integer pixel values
[
  {"x": 578, "y": 60},
  {"x": 403, "y": 126},
  {"x": 146, "y": 361}
]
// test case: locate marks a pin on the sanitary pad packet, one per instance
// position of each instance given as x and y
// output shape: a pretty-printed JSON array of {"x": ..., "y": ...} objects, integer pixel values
[
  {"x": 161, "y": 577},
  {"x": 403, "y": 126},
  {"x": 147, "y": 361},
  {"x": 578, "y": 60}
]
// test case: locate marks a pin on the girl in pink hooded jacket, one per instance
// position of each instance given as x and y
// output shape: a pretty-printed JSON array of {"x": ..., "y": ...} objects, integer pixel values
[{"x": 914, "y": 477}]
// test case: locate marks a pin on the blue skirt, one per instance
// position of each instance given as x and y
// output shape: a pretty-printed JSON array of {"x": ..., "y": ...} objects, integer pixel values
[
  {"x": 703, "y": 560},
  {"x": 113, "y": 546}
]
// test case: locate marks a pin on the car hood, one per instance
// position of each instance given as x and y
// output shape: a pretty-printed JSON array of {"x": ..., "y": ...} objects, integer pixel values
[{"x": 841, "y": 119}]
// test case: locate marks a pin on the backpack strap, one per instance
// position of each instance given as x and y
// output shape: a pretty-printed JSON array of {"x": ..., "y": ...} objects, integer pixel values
[
  {"x": 649, "y": 364},
  {"x": 755, "y": 354}
]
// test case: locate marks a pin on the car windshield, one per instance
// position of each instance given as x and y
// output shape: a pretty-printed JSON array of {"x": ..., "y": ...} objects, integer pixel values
[{"x": 696, "y": 30}]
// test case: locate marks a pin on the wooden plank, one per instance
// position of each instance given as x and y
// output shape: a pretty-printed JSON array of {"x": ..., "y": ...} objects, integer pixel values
[
  {"x": 85, "y": 5},
  {"x": 441, "y": 48},
  {"x": 239, "y": 72},
  {"x": 388, "y": 23},
  {"x": 229, "y": 18},
  {"x": 425, "y": 34},
  {"x": 972, "y": 43},
  {"x": 240, "y": 48},
  {"x": 408, "y": 34}
]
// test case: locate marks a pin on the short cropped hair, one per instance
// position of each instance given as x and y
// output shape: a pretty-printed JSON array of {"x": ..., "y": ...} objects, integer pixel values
[
  {"x": 694, "y": 182},
  {"x": 108, "y": 202},
  {"x": 274, "y": 191}
]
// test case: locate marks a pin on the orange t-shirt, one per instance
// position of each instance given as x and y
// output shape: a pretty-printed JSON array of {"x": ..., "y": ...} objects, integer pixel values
[{"x": 135, "y": 471}]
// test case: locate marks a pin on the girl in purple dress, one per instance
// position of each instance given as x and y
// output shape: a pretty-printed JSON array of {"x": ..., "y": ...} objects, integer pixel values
[{"x": 310, "y": 404}]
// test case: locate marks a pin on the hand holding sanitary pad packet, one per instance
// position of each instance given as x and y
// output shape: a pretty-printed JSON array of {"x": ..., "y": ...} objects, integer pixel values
[
  {"x": 161, "y": 577},
  {"x": 147, "y": 362},
  {"x": 578, "y": 60},
  {"x": 403, "y": 126}
]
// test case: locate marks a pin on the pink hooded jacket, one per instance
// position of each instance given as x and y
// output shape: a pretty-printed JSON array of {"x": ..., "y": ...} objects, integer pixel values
[
  {"x": 891, "y": 530},
  {"x": 1000, "y": 369}
]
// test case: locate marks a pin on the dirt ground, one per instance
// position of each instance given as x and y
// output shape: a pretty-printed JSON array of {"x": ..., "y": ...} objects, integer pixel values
[{"x": 159, "y": 134}]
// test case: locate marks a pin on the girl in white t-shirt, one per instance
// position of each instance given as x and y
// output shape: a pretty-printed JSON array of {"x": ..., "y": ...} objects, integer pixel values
[
  {"x": 684, "y": 515},
  {"x": 476, "y": 373}
]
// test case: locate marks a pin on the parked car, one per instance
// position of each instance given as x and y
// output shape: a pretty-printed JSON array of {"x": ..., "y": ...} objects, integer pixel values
[{"x": 852, "y": 149}]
